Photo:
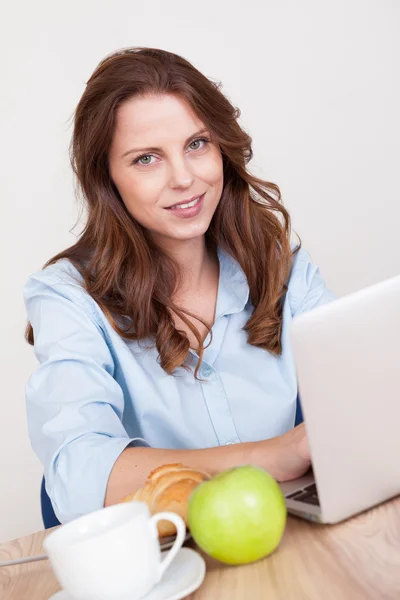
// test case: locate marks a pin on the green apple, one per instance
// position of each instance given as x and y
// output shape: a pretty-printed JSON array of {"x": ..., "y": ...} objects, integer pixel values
[{"x": 238, "y": 516}]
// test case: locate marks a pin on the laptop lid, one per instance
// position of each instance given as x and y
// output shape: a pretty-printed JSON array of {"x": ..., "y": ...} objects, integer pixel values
[{"x": 347, "y": 356}]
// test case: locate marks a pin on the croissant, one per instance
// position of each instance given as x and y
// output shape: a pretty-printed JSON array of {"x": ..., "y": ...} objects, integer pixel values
[{"x": 168, "y": 488}]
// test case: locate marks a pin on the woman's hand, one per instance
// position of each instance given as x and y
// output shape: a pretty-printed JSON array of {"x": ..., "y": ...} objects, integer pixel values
[{"x": 291, "y": 455}]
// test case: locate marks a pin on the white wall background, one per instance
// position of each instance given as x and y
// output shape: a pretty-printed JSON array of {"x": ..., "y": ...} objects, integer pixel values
[{"x": 318, "y": 86}]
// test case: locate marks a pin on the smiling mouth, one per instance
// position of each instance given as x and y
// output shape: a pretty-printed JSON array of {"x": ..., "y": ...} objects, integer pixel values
[{"x": 186, "y": 204}]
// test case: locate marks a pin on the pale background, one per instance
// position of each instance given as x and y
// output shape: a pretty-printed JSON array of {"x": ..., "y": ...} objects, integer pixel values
[{"x": 318, "y": 86}]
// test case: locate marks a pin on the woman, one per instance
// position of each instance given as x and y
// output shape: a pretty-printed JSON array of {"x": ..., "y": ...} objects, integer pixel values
[{"x": 162, "y": 333}]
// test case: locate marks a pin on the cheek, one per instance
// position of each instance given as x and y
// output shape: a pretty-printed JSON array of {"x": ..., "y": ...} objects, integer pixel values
[
  {"x": 139, "y": 193},
  {"x": 214, "y": 171}
]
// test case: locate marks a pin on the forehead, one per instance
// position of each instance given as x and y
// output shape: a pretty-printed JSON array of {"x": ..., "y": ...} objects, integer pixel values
[{"x": 155, "y": 120}]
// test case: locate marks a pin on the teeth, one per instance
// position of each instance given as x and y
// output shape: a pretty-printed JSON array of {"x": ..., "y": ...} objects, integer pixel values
[{"x": 188, "y": 204}]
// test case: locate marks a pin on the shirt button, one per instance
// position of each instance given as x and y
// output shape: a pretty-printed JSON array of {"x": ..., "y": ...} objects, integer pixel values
[{"x": 206, "y": 371}]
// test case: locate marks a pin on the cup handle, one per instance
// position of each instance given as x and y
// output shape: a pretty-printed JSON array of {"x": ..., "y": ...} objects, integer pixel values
[{"x": 180, "y": 537}]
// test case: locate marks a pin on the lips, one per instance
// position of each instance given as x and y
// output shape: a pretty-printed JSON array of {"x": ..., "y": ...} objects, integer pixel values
[
  {"x": 187, "y": 210},
  {"x": 184, "y": 204}
]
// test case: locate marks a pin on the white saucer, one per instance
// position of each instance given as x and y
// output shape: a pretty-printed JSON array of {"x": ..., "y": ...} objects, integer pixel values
[{"x": 184, "y": 575}]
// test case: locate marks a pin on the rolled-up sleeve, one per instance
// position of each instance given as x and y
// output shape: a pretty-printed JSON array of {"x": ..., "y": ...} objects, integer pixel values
[{"x": 74, "y": 404}]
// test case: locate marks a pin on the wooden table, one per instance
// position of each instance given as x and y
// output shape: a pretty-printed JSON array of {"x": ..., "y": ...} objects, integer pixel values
[{"x": 355, "y": 560}]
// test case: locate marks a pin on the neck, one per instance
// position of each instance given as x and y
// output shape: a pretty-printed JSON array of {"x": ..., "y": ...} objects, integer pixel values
[{"x": 195, "y": 260}]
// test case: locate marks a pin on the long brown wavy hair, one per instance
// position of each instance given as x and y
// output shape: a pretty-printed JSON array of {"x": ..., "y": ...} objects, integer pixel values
[{"x": 124, "y": 271}]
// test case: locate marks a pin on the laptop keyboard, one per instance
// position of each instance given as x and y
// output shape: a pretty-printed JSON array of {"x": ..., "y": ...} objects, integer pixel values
[{"x": 309, "y": 495}]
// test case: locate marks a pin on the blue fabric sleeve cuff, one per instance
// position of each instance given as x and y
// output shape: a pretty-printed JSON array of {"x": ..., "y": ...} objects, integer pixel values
[{"x": 86, "y": 493}]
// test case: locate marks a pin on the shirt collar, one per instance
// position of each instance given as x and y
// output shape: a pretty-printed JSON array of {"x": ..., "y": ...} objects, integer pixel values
[{"x": 233, "y": 289}]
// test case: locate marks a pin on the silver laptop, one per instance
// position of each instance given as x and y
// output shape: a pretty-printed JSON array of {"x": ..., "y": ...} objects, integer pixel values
[{"x": 347, "y": 356}]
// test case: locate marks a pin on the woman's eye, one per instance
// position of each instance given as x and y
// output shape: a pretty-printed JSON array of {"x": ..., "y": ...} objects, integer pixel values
[
  {"x": 205, "y": 140},
  {"x": 193, "y": 143},
  {"x": 145, "y": 158}
]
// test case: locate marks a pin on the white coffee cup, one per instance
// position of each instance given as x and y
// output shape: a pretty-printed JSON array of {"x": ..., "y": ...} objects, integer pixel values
[{"x": 113, "y": 553}]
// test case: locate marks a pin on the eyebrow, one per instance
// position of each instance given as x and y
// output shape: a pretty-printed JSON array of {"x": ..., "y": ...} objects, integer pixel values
[{"x": 155, "y": 149}]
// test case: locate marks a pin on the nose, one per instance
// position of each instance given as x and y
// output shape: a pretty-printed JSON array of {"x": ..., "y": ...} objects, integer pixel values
[{"x": 181, "y": 175}]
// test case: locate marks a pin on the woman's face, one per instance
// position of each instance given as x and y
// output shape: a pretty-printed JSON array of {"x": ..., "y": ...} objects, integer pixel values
[{"x": 161, "y": 159}]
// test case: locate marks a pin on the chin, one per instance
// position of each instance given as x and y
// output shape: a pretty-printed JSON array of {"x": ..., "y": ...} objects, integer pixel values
[{"x": 191, "y": 235}]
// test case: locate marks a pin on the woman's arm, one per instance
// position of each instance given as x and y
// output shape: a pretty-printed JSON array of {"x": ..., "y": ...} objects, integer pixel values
[{"x": 284, "y": 457}]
